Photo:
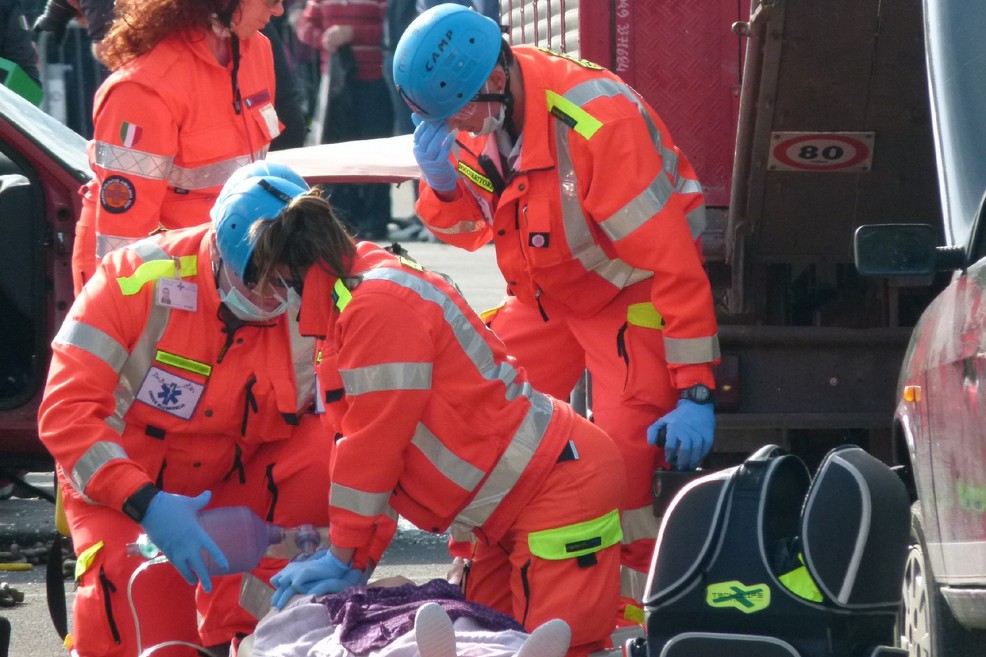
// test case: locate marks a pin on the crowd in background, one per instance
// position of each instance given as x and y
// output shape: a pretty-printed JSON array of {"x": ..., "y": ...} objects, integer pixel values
[{"x": 352, "y": 42}]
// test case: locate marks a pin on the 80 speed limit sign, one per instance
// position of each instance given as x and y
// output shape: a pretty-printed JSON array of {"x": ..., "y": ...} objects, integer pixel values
[{"x": 821, "y": 151}]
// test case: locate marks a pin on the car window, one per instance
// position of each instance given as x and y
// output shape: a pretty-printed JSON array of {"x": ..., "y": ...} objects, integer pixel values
[{"x": 958, "y": 96}]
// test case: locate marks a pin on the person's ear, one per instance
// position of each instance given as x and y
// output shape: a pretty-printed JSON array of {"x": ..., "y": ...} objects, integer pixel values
[{"x": 498, "y": 80}]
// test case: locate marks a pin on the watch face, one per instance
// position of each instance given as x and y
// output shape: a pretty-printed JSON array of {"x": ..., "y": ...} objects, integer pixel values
[{"x": 699, "y": 394}]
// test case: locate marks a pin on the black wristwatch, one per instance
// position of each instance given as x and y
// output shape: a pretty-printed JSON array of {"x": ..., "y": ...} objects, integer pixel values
[
  {"x": 136, "y": 505},
  {"x": 698, "y": 393}
]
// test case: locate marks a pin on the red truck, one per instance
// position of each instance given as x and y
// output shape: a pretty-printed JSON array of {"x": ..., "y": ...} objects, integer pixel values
[{"x": 804, "y": 120}]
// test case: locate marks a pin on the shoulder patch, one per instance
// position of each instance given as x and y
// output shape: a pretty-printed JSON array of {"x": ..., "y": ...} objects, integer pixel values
[
  {"x": 117, "y": 194},
  {"x": 410, "y": 264},
  {"x": 584, "y": 63},
  {"x": 130, "y": 134}
]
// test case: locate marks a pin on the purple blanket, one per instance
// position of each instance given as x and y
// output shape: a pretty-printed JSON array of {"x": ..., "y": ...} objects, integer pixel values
[{"x": 371, "y": 618}]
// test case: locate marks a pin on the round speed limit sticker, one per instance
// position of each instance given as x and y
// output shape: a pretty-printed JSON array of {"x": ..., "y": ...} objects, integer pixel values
[{"x": 821, "y": 151}]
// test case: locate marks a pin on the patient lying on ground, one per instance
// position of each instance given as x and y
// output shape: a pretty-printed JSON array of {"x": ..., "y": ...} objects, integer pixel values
[{"x": 397, "y": 618}]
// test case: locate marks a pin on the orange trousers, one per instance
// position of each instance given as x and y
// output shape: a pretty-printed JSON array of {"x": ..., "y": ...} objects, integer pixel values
[
  {"x": 629, "y": 393},
  {"x": 509, "y": 578},
  {"x": 290, "y": 477}
]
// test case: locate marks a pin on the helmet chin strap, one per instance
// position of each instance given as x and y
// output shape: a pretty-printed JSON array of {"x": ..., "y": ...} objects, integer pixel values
[{"x": 506, "y": 98}]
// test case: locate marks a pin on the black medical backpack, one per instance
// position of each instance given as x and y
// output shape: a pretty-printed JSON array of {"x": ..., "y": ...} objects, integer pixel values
[{"x": 737, "y": 546}]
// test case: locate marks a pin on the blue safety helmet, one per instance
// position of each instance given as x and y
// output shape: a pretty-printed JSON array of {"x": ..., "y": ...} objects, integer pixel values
[
  {"x": 443, "y": 59},
  {"x": 254, "y": 169},
  {"x": 241, "y": 206}
]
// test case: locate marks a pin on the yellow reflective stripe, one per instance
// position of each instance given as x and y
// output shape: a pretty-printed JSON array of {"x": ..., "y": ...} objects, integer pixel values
[
  {"x": 634, "y": 614},
  {"x": 488, "y": 314},
  {"x": 151, "y": 271},
  {"x": 645, "y": 315},
  {"x": 800, "y": 583},
  {"x": 578, "y": 539},
  {"x": 341, "y": 295},
  {"x": 475, "y": 176},
  {"x": 183, "y": 363},
  {"x": 577, "y": 118},
  {"x": 86, "y": 558}
]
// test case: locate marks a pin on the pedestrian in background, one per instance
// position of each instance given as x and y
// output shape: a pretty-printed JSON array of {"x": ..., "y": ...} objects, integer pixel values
[
  {"x": 177, "y": 382},
  {"x": 596, "y": 217},
  {"x": 350, "y": 37},
  {"x": 15, "y": 39},
  {"x": 190, "y": 99}
]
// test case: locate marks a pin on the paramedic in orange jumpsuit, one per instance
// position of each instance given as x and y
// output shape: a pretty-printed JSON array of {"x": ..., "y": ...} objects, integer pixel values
[
  {"x": 153, "y": 404},
  {"x": 434, "y": 420},
  {"x": 189, "y": 101},
  {"x": 596, "y": 218}
]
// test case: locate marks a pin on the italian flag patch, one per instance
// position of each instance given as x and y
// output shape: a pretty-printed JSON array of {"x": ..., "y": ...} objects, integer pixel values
[{"x": 130, "y": 134}]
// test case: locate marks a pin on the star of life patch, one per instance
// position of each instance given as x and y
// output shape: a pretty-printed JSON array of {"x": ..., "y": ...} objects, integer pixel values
[{"x": 170, "y": 393}]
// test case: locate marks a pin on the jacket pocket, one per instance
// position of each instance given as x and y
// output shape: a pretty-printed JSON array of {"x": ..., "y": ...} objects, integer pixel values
[
  {"x": 640, "y": 344},
  {"x": 269, "y": 411},
  {"x": 93, "y": 607},
  {"x": 544, "y": 241}
]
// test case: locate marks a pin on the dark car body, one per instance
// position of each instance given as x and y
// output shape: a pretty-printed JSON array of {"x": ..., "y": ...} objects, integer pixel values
[
  {"x": 941, "y": 409},
  {"x": 42, "y": 167}
]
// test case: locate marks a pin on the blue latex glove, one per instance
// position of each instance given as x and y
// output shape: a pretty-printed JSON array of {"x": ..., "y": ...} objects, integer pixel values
[
  {"x": 689, "y": 430},
  {"x": 319, "y": 574},
  {"x": 172, "y": 524},
  {"x": 432, "y": 145}
]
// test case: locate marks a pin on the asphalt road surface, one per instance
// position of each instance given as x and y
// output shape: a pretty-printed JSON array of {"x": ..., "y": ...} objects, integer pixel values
[{"x": 414, "y": 554}]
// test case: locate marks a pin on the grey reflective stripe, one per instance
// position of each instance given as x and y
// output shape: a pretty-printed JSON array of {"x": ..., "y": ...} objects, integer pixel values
[
  {"x": 639, "y": 524},
  {"x": 368, "y": 505},
  {"x": 210, "y": 175},
  {"x": 688, "y": 351},
  {"x": 136, "y": 367},
  {"x": 387, "y": 376},
  {"x": 149, "y": 250},
  {"x": 162, "y": 167},
  {"x": 508, "y": 469},
  {"x": 657, "y": 192},
  {"x": 632, "y": 583},
  {"x": 132, "y": 161},
  {"x": 639, "y": 210},
  {"x": 95, "y": 458},
  {"x": 462, "y": 473},
  {"x": 580, "y": 240},
  {"x": 95, "y": 341},
  {"x": 109, "y": 243},
  {"x": 303, "y": 359},
  {"x": 697, "y": 221},
  {"x": 529, "y": 434}
]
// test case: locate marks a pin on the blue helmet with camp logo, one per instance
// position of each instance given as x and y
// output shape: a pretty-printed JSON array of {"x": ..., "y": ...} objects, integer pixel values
[{"x": 443, "y": 59}]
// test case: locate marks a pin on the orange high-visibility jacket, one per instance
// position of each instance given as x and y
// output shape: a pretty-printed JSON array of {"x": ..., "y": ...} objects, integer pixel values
[
  {"x": 432, "y": 417},
  {"x": 167, "y": 135},
  {"x": 141, "y": 392},
  {"x": 601, "y": 198}
]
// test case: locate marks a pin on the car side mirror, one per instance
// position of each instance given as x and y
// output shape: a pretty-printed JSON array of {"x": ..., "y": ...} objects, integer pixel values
[{"x": 903, "y": 250}]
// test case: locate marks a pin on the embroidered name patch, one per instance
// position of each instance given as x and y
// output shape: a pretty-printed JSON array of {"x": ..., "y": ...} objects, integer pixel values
[
  {"x": 170, "y": 393},
  {"x": 117, "y": 194}
]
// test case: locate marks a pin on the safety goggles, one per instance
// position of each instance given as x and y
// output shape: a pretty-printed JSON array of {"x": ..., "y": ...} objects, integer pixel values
[{"x": 274, "y": 293}]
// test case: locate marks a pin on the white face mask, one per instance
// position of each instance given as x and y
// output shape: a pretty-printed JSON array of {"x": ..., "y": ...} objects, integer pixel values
[
  {"x": 243, "y": 302},
  {"x": 491, "y": 123}
]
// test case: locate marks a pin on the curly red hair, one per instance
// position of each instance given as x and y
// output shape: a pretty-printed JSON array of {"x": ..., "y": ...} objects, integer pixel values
[{"x": 139, "y": 25}]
